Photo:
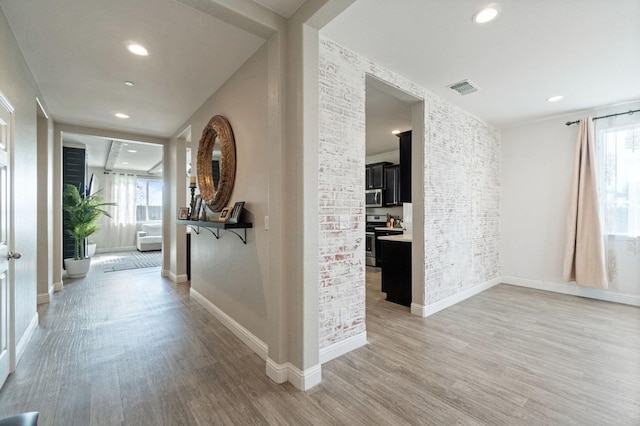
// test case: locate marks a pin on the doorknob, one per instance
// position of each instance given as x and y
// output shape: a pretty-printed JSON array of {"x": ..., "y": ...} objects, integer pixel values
[{"x": 13, "y": 255}]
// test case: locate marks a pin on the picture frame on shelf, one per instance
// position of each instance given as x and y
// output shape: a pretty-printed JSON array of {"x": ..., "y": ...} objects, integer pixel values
[
  {"x": 224, "y": 214},
  {"x": 183, "y": 213},
  {"x": 234, "y": 217},
  {"x": 195, "y": 214}
]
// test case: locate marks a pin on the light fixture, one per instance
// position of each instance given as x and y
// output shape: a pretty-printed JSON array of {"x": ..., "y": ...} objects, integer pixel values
[
  {"x": 486, "y": 14},
  {"x": 124, "y": 163},
  {"x": 395, "y": 132},
  {"x": 129, "y": 83},
  {"x": 555, "y": 98},
  {"x": 121, "y": 115},
  {"x": 137, "y": 49},
  {"x": 132, "y": 150}
]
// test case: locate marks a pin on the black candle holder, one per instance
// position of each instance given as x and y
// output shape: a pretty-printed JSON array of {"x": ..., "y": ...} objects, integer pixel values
[{"x": 193, "y": 201}]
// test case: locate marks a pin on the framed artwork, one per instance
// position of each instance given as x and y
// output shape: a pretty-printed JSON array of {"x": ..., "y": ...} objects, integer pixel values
[
  {"x": 236, "y": 212},
  {"x": 183, "y": 213},
  {"x": 195, "y": 214},
  {"x": 224, "y": 214}
]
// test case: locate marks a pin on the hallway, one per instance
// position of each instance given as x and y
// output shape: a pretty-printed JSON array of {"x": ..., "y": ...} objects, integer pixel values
[{"x": 132, "y": 348}]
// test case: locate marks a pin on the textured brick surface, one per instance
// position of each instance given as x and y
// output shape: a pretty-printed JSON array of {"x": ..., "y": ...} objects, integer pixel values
[{"x": 461, "y": 193}]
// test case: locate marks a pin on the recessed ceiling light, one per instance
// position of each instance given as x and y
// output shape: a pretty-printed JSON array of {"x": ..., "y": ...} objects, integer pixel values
[
  {"x": 129, "y": 83},
  {"x": 125, "y": 163},
  {"x": 486, "y": 14},
  {"x": 555, "y": 98},
  {"x": 395, "y": 132},
  {"x": 121, "y": 115},
  {"x": 132, "y": 150},
  {"x": 137, "y": 49}
]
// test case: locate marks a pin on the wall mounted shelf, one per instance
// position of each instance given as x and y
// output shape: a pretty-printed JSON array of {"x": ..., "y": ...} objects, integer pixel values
[{"x": 215, "y": 227}]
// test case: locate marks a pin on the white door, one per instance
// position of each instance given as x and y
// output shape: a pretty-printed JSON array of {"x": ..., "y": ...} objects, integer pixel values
[{"x": 6, "y": 290}]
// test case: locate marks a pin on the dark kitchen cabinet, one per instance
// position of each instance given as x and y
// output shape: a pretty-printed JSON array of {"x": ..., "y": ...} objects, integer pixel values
[
  {"x": 405, "y": 167},
  {"x": 392, "y": 185},
  {"x": 396, "y": 273},
  {"x": 375, "y": 175},
  {"x": 384, "y": 233}
]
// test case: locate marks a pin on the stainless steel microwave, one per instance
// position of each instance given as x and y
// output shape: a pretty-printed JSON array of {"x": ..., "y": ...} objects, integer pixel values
[{"x": 373, "y": 198}]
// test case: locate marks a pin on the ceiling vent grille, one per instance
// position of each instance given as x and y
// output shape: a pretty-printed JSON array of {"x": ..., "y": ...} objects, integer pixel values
[{"x": 463, "y": 87}]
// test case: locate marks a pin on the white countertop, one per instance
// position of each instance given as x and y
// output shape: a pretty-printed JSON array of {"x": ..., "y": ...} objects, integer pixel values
[
  {"x": 404, "y": 238},
  {"x": 384, "y": 228}
]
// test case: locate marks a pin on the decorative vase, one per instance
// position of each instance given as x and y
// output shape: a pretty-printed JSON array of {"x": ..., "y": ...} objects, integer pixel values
[{"x": 77, "y": 268}]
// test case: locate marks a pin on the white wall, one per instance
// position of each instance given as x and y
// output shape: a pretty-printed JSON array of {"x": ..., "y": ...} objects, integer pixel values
[
  {"x": 537, "y": 162},
  {"x": 17, "y": 83},
  {"x": 461, "y": 193},
  {"x": 229, "y": 274}
]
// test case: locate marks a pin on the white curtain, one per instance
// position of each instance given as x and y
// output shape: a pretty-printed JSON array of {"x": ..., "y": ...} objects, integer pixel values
[
  {"x": 584, "y": 260},
  {"x": 119, "y": 230},
  {"x": 618, "y": 165}
]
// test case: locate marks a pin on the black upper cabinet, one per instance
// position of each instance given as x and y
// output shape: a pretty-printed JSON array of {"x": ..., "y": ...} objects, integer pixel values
[
  {"x": 375, "y": 175},
  {"x": 392, "y": 187},
  {"x": 405, "y": 167}
]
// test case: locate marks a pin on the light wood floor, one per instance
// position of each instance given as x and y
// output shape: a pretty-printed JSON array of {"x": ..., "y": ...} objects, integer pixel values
[{"x": 131, "y": 348}]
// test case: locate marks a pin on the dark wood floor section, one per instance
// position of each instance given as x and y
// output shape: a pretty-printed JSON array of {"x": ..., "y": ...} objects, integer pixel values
[{"x": 130, "y": 348}]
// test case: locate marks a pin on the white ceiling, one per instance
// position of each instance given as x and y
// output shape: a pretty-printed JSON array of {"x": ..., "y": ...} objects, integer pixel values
[
  {"x": 76, "y": 50},
  {"x": 281, "y": 7},
  {"x": 147, "y": 155},
  {"x": 586, "y": 50}
]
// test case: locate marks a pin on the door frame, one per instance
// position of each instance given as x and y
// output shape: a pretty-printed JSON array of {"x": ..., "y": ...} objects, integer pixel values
[{"x": 11, "y": 342}]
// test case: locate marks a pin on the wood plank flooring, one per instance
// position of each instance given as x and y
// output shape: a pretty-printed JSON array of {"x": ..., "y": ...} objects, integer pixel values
[{"x": 130, "y": 348}]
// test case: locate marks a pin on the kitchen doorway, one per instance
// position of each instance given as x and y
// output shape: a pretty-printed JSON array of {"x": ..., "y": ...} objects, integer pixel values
[{"x": 394, "y": 190}]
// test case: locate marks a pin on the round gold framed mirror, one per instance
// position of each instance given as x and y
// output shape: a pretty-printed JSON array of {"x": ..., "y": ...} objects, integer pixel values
[{"x": 216, "y": 163}]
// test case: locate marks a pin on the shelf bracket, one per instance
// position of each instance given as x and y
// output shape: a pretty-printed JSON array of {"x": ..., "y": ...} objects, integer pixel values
[
  {"x": 243, "y": 239},
  {"x": 196, "y": 229}
]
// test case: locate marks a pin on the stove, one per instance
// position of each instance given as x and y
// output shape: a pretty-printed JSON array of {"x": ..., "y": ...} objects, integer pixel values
[{"x": 373, "y": 222}]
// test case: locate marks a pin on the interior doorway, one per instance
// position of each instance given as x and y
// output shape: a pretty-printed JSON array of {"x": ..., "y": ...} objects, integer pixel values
[{"x": 393, "y": 118}]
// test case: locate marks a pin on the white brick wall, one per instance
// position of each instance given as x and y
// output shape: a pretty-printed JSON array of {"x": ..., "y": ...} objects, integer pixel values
[{"x": 462, "y": 193}]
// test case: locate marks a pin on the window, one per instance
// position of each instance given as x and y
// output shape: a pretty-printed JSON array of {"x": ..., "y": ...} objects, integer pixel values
[
  {"x": 618, "y": 165},
  {"x": 148, "y": 200}
]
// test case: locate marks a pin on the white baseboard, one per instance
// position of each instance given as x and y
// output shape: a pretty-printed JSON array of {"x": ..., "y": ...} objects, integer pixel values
[
  {"x": 181, "y": 278},
  {"x": 58, "y": 286},
  {"x": 342, "y": 347},
  {"x": 164, "y": 273},
  {"x": 574, "y": 290},
  {"x": 25, "y": 339},
  {"x": 425, "y": 311},
  {"x": 248, "y": 338},
  {"x": 303, "y": 380},
  {"x": 46, "y": 297},
  {"x": 279, "y": 373}
]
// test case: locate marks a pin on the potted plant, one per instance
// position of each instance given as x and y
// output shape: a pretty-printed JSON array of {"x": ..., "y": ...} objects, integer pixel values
[{"x": 83, "y": 212}]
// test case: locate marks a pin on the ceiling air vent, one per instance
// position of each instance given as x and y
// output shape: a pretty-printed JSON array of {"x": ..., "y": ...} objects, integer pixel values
[{"x": 463, "y": 87}]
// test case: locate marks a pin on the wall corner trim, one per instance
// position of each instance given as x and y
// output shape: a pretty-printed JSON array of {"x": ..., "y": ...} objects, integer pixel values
[
  {"x": 179, "y": 278},
  {"x": 165, "y": 273},
  {"x": 459, "y": 297},
  {"x": 43, "y": 298},
  {"x": 25, "y": 339},
  {"x": 58, "y": 286},
  {"x": 248, "y": 338},
  {"x": 342, "y": 347},
  {"x": 302, "y": 380},
  {"x": 419, "y": 310},
  {"x": 574, "y": 290}
]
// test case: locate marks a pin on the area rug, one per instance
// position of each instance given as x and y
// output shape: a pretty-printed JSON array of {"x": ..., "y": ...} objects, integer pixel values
[{"x": 112, "y": 262}]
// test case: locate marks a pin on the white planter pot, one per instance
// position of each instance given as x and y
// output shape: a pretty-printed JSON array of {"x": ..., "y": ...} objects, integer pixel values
[{"x": 77, "y": 268}]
